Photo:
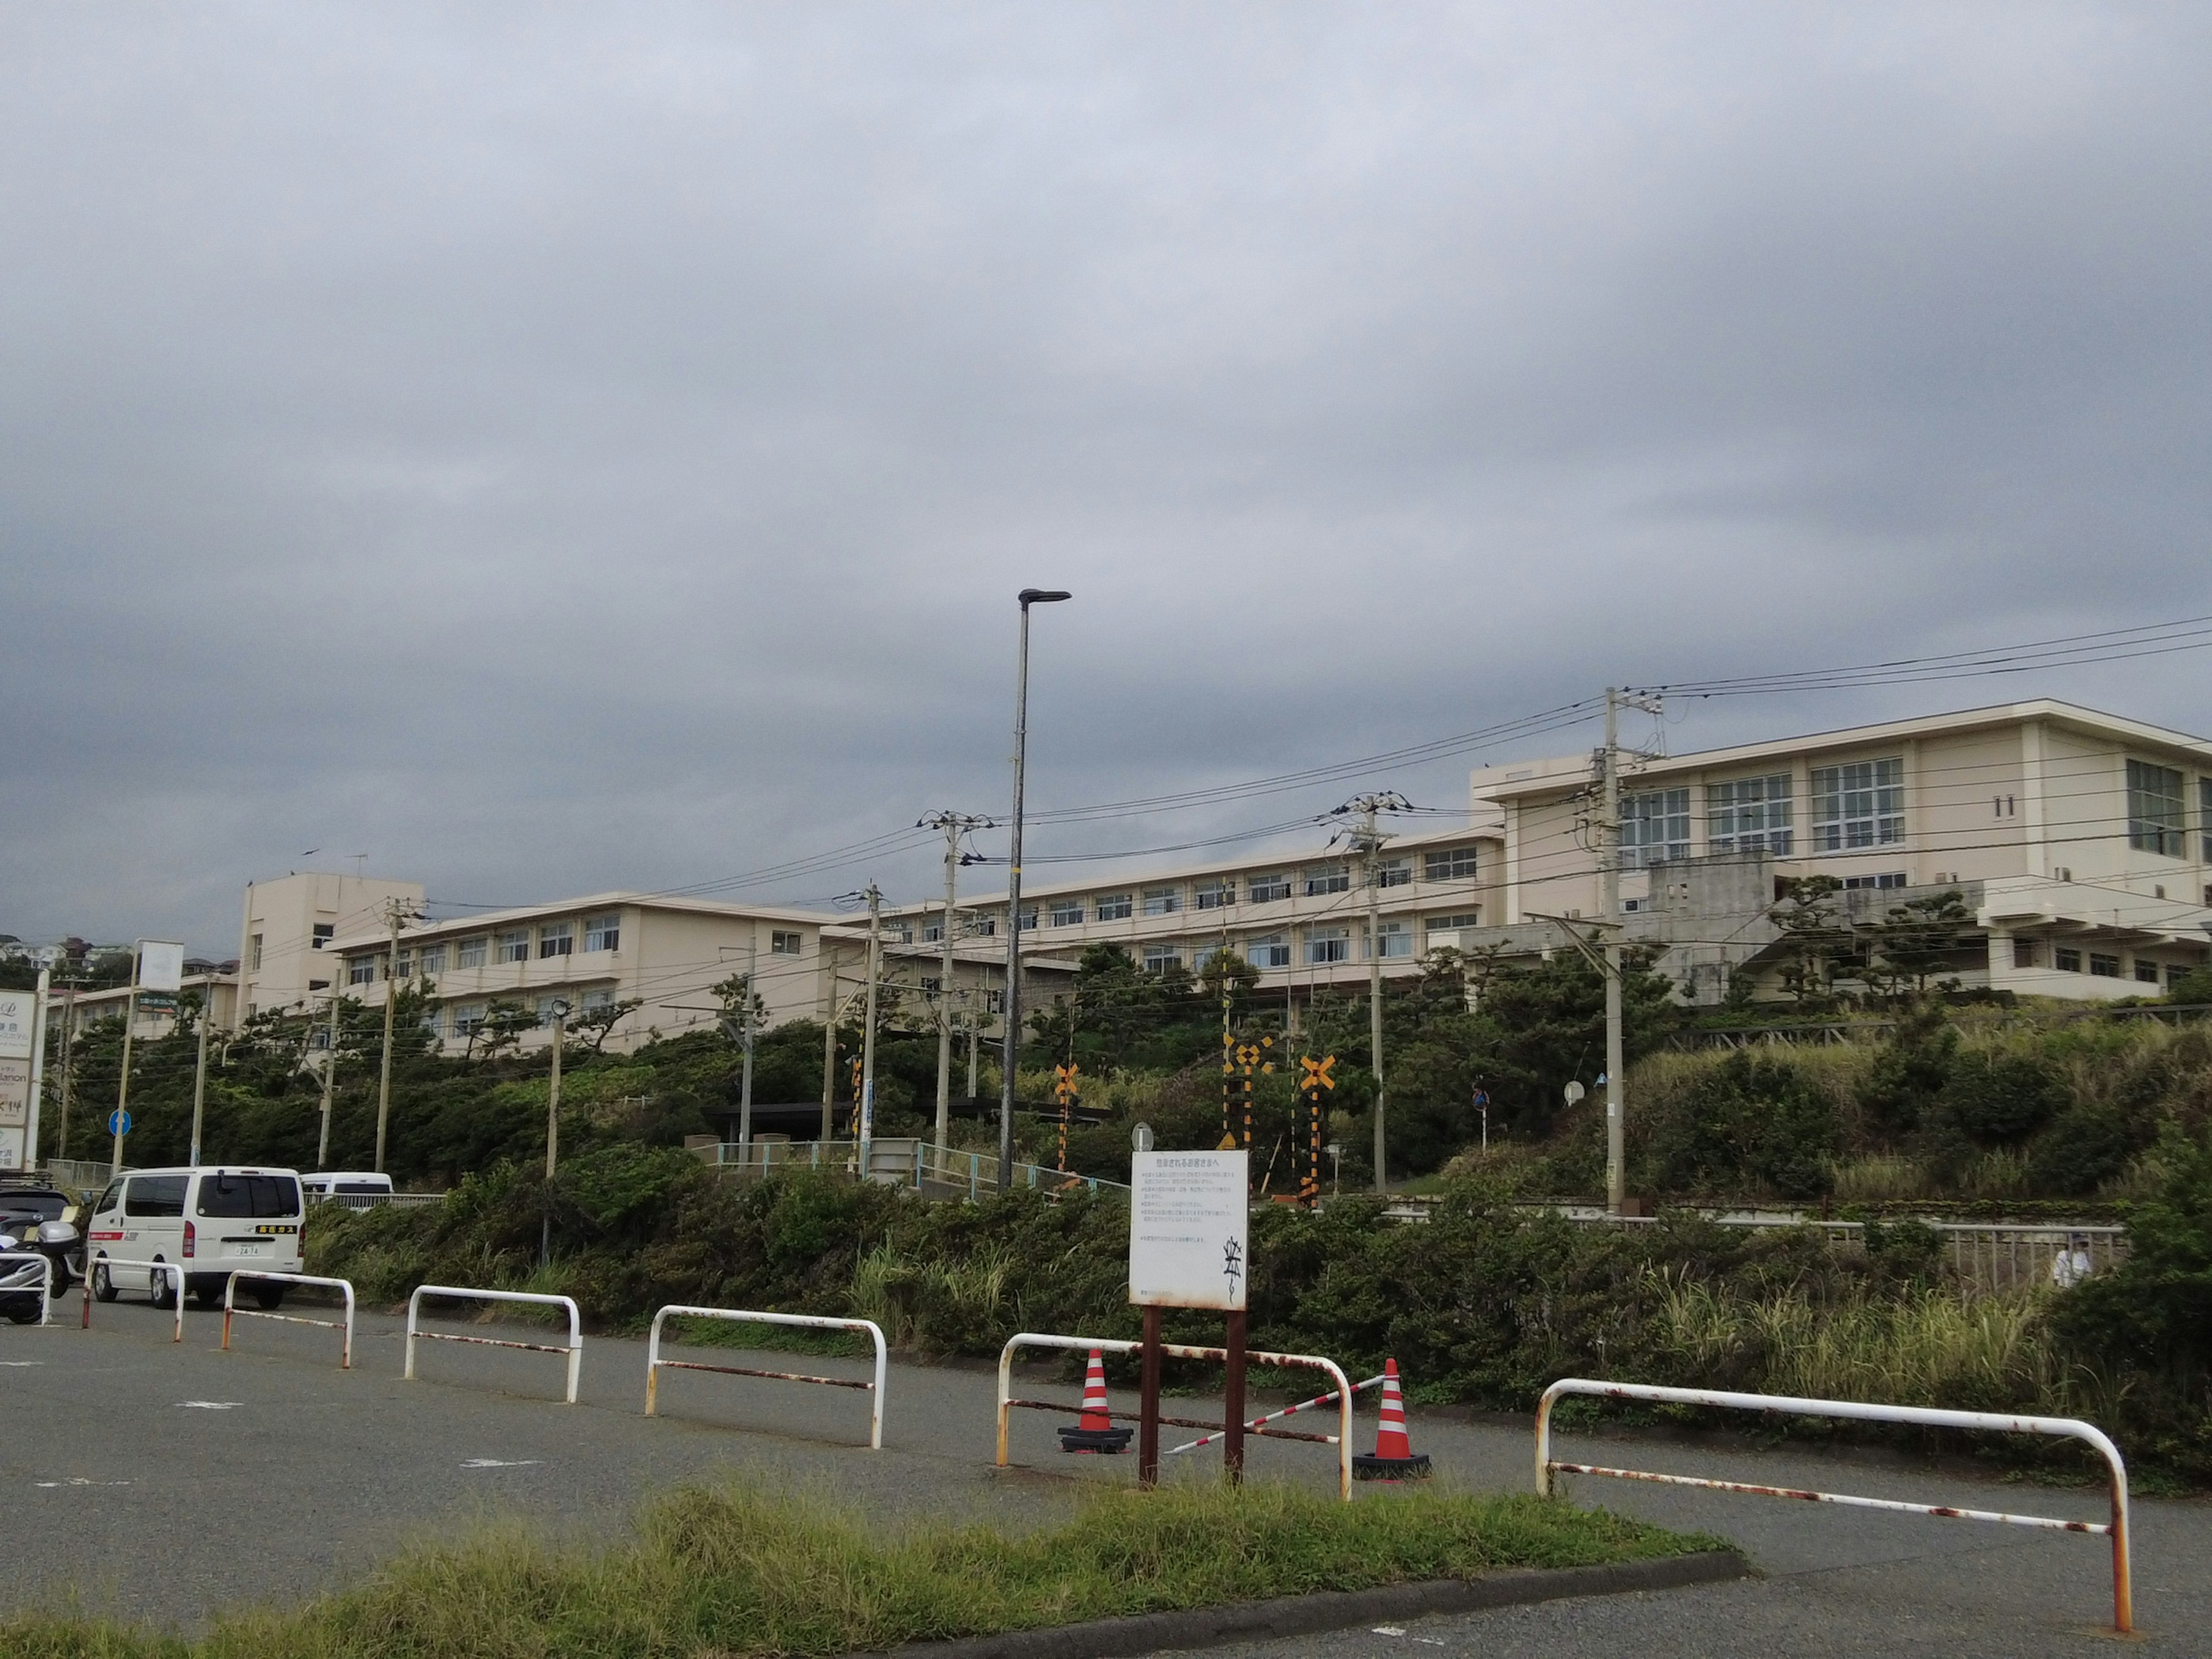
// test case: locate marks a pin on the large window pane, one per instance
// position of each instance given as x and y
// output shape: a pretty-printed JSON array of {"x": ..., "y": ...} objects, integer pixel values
[
  {"x": 2154, "y": 809},
  {"x": 1654, "y": 828},
  {"x": 1750, "y": 815},
  {"x": 1862, "y": 804}
]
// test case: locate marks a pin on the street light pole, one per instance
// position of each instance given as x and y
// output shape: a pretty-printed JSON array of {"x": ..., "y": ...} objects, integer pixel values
[
  {"x": 560, "y": 1012},
  {"x": 1027, "y": 597}
]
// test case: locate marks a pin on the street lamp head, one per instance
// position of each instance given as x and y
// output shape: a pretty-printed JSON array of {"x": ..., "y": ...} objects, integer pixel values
[{"x": 1030, "y": 596}]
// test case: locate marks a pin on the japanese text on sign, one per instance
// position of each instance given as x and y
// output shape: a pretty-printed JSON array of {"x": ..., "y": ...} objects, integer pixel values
[{"x": 1188, "y": 1216}]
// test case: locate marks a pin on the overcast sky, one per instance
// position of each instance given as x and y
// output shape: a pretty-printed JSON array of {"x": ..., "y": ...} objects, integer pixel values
[{"x": 560, "y": 448}]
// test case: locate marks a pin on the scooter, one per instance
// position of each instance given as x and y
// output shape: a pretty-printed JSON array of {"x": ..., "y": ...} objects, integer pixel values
[{"x": 22, "y": 1283}]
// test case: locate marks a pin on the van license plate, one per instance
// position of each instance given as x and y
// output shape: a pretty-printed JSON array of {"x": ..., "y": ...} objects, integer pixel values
[{"x": 250, "y": 1252}]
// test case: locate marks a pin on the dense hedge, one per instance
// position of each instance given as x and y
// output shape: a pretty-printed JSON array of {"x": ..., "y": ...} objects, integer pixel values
[{"x": 1483, "y": 1304}]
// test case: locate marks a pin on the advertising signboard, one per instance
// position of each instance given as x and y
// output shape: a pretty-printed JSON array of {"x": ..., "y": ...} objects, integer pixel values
[
  {"x": 15, "y": 1093},
  {"x": 161, "y": 965},
  {"x": 18, "y": 1013}
]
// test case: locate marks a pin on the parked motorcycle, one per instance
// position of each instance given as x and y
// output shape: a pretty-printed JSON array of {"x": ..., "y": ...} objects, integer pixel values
[{"x": 22, "y": 1283}]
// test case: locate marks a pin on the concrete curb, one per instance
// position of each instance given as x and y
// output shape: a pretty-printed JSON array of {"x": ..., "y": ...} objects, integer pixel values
[{"x": 1328, "y": 1610}]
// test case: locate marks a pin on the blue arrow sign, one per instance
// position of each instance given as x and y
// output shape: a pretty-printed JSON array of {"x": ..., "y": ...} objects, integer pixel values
[
  {"x": 118, "y": 1122},
  {"x": 1482, "y": 1096}
]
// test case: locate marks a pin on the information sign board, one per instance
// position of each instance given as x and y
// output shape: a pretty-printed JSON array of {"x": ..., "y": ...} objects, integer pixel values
[{"x": 1188, "y": 1214}]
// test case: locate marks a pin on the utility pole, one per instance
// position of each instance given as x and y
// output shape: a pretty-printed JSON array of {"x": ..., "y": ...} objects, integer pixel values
[
  {"x": 1369, "y": 842},
  {"x": 745, "y": 1075},
  {"x": 1616, "y": 1138},
  {"x": 560, "y": 1011},
  {"x": 330, "y": 1079},
  {"x": 395, "y": 913},
  {"x": 868, "y": 1034},
  {"x": 830, "y": 1010},
  {"x": 69, "y": 1047},
  {"x": 199, "y": 1066},
  {"x": 1027, "y": 597},
  {"x": 954, "y": 825},
  {"x": 975, "y": 1042}
]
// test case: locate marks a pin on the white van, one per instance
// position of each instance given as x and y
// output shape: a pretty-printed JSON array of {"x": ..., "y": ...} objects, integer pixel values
[
  {"x": 210, "y": 1221},
  {"x": 357, "y": 1184}
]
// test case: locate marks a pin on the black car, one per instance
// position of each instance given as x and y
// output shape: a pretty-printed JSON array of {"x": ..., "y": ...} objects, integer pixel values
[{"x": 38, "y": 1217}]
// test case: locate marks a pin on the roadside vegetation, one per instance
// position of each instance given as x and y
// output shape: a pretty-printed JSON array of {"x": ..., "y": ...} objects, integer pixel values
[
  {"x": 1482, "y": 1304},
  {"x": 731, "y": 1572}
]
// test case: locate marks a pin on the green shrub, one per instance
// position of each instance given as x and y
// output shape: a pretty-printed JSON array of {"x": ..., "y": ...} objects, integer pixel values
[{"x": 2084, "y": 1148}]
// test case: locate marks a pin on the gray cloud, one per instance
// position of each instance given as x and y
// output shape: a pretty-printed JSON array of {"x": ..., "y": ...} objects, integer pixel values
[{"x": 598, "y": 447}]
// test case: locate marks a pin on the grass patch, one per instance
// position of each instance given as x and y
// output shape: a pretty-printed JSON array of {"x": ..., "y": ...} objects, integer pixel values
[{"x": 734, "y": 1573}]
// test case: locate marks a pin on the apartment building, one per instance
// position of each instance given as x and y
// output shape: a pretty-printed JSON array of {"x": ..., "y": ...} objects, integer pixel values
[
  {"x": 1301, "y": 922},
  {"x": 666, "y": 954},
  {"x": 290, "y": 921},
  {"x": 154, "y": 1014},
  {"x": 2081, "y": 840}
]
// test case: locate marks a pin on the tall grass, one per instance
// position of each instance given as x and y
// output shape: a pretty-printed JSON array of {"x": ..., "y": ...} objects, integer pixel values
[
  {"x": 734, "y": 1573},
  {"x": 1928, "y": 1348}
]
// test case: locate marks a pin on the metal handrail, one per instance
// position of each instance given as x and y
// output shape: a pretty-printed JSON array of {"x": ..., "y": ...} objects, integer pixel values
[
  {"x": 46, "y": 1290},
  {"x": 1342, "y": 1393},
  {"x": 113, "y": 1262},
  {"x": 1867, "y": 1411},
  {"x": 230, "y": 1308},
  {"x": 574, "y": 1350},
  {"x": 654, "y": 1364}
]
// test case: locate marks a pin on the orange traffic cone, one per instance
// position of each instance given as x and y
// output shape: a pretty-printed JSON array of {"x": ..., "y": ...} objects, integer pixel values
[
  {"x": 1096, "y": 1433},
  {"x": 1395, "y": 1458}
]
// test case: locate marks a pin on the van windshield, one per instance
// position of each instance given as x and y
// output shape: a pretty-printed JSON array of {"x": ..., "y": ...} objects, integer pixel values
[{"x": 249, "y": 1195}]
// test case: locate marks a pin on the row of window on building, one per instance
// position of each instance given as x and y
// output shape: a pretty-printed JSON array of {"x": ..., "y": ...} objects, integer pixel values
[
  {"x": 1863, "y": 806},
  {"x": 462, "y": 1020},
  {"x": 547, "y": 941},
  {"x": 1318, "y": 946},
  {"x": 2099, "y": 964},
  {"x": 1221, "y": 892}
]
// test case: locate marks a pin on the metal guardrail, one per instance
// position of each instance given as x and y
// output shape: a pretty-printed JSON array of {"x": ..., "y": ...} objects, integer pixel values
[
  {"x": 1861, "y": 1411},
  {"x": 462, "y": 1292},
  {"x": 46, "y": 1280},
  {"x": 1341, "y": 1393},
  {"x": 1997, "y": 1258},
  {"x": 230, "y": 1308},
  {"x": 655, "y": 1365},
  {"x": 112, "y": 1262},
  {"x": 900, "y": 1162}
]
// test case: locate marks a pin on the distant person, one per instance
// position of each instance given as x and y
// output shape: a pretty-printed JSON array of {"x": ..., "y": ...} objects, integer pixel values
[{"x": 2071, "y": 1265}]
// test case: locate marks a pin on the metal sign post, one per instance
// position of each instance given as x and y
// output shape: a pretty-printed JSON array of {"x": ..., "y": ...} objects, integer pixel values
[{"x": 1189, "y": 1215}]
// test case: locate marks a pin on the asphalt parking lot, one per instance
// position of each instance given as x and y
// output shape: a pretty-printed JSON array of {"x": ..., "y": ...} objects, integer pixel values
[{"x": 166, "y": 1482}]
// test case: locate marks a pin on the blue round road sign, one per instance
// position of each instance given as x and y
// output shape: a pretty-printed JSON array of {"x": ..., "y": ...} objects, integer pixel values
[{"x": 118, "y": 1123}]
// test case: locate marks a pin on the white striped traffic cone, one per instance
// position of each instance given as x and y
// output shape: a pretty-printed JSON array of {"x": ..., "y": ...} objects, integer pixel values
[
  {"x": 1395, "y": 1458},
  {"x": 1096, "y": 1433}
]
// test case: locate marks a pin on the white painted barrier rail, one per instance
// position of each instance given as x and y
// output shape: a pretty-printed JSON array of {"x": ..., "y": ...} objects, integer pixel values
[
  {"x": 46, "y": 1279},
  {"x": 465, "y": 1293},
  {"x": 1866, "y": 1412},
  {"x": 111, "y": 1263},
  {"x": 1253, "y": 1426},
  {"x": 231, "y": 1309},
  {"x": 1341, "y": 1393},
  {"x": 655, "y": 1365}
]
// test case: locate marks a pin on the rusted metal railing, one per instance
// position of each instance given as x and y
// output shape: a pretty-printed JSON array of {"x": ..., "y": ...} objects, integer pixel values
[
  {"x": 1341, "y": 1393},
  {"x": 574, "y": 1350},
  {"x": 344, "y": 1326},
  {"x": 1867, "y": 1411},
  {"x": 655, "y": 1365},
  {"x": 105, "y": 1265}
]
